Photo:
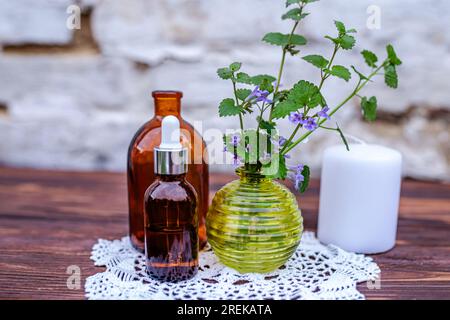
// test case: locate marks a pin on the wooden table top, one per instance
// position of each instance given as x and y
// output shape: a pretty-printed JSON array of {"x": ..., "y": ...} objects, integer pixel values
[{"x": 49, "y": 221}]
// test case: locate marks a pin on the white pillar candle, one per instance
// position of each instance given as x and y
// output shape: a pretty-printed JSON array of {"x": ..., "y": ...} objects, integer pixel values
[{"x": 359, "y": 197}]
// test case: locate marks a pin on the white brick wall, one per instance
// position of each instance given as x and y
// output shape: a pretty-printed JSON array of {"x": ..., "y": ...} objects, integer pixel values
[{"x": 79, "y": 111}]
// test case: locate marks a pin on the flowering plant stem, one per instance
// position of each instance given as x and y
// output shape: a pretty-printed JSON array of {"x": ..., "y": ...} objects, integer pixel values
[
  {"x": 304, "y": 104},
  {"x": 324, "y": 77},
  {"x": 359, "y": 87}
]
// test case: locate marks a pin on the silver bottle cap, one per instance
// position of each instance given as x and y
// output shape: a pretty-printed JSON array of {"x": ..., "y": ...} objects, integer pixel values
[
  {"x": 171, "y": 162},
  {"x": 170, "y": 157}
]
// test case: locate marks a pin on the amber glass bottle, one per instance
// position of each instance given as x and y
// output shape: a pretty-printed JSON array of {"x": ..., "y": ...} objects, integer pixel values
[
  {"x": 171, "y": 229},
  {"x": 140, "y": 164},
  {"x": 170, "y": 211}
]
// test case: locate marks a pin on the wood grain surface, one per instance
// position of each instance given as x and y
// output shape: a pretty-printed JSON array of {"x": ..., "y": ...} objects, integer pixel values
[{"x": 49, "y": 221}]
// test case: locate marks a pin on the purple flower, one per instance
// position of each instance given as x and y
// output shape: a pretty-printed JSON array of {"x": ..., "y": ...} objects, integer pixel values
[
  {"x": 235, "y": 139},
  {"x": 260, "y": 95},
  {"x": 296, "y": 118},
  {"x": 297, "y": 169},
  {"x": 287, "y": 156},
  {"x": 324, "y": 113},
  {"x": 311, "y": 124},
  {"x": 280, "y": 142},
  {"x": 225, "y": 149},
  {"x": 298, "y": 181},
  {"x": 297, "y": 176}
]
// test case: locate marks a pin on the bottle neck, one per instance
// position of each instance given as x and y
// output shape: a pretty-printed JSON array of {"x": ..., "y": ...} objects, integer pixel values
[
  {"x": 167, "y": 103},
  {"x": 171, "y": 177},
  {"x": 251, "y": 177}
]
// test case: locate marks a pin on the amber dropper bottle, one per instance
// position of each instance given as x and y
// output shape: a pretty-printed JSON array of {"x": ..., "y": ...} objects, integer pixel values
[
  {"x": 140, "y": 171},
  {"x": 170, "y": 210}
]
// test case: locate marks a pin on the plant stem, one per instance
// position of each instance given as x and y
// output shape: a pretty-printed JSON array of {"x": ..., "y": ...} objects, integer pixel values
[
  {"x": 260, "y": 117},
  {"x": 322, "y": 81},
  {"x": 290, "y": 138},
  {"x": 358, "y": 88},
  {"x": 328, "y": 128},
  {"x": 241, "y": 121},
  {"x": 283, "y": 60},
  {"x": 257, "y": 130},
  {"x": 324, "y": 76}
]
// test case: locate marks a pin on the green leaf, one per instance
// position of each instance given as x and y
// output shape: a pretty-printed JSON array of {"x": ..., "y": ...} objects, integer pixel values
[
  {"x": 266, "y": 125},
  {"x": 281, "y": 96},
  {"x": 283, "y": 109},
  {"x": 390, "y": 70},
  {"x": 334, "y": 40},
  {"x": 265, "y": 82},
  {"x": 316, "y": 99},
  {"x": 340, "y": 27},
  {"x": 369, "y": 108},
  {"x": 303, "y": 94},
  {"x": 266, "y": 85},
  {"x": 361, "y": 76},
  {"x": 235, "y": 66},
  {"x": 393, "y": 56},
  {"x": 317, "y": 60},
  {"x": 340, "y": 72},
  {"x": 370, "y": 58},
  {"x": 294, "y": 14},
  {"x": 282, "y": 169},
  {"x": 276, "y": 38},
  {"x": 292, "y": 50},
  {"x": 242, "y": 77},
  {"x": 306, "y": 173},
  {"x": 291, "y": 2},
  {"x": 225, "y": 73},
  {"x": 344, "y": 140},
  {"x": 347, "y": 42},
  {"x": 259, "y": 79},
  {"x": 279, "y": 39},
  {"x": 344, "y": 39},
  {"x": 242, "y": 94},
  {"x": 297, "y": 40},
  {"x": 390, "y": 76},
  {"x": 307, "y": 94},
  {"x": 228, "y": 108}
]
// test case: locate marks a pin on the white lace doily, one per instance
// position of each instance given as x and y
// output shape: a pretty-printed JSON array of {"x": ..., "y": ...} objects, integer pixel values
[{"x": 314, "y": 271}]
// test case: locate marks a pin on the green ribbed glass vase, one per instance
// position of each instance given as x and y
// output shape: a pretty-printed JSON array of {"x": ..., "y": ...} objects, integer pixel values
[{"x": 254, "y": 224}]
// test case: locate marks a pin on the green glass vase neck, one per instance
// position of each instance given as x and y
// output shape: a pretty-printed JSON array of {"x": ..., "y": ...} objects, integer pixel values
[{"x": 251, "y": 176}]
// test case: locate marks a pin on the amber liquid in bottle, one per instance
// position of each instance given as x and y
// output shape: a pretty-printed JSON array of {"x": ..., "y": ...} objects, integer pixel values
[
  {"x": 140, "y": 165},
  {"x": 171, "y": 229}
]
